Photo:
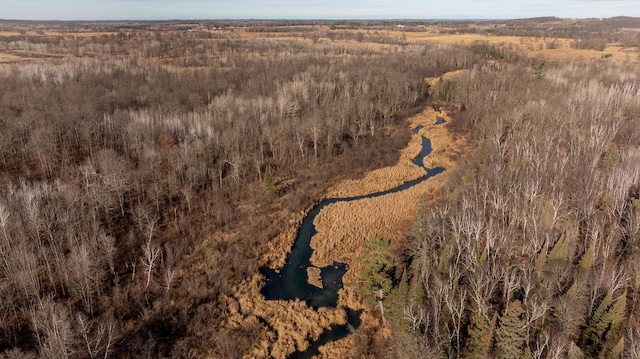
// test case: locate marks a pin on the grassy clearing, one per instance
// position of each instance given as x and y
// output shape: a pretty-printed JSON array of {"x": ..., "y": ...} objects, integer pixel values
[
  {"x": 6, "y": 58},
  {"x": 455, "y": 38},
  {"x": 553, "y": 49}
]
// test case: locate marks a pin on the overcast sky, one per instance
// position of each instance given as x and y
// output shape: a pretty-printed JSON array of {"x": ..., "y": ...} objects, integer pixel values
[{"x": 301, "y": 9}]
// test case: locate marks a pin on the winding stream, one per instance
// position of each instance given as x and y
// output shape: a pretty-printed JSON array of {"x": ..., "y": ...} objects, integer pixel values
[{"x": 291, "y": 281}]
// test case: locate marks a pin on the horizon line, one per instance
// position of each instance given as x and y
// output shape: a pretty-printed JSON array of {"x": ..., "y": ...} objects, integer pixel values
[{"x": 320, "y": 19}]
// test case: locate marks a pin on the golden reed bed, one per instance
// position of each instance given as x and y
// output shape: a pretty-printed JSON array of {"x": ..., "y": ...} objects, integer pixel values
[{"x": 343, "y": 227}]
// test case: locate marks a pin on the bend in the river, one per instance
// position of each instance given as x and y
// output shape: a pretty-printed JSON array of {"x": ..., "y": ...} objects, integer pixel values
[{"x": 291, "y": 281}]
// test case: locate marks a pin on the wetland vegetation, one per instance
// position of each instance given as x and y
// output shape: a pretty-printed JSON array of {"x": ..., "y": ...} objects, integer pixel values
[{"x": 148, "y": 170}]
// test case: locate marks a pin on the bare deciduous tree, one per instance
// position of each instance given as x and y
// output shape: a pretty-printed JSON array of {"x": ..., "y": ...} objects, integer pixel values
[{"x": 51, "y": 324}]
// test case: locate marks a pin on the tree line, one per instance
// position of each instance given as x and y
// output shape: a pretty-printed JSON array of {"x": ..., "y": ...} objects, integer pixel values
[{"x": 586, "y": 33}]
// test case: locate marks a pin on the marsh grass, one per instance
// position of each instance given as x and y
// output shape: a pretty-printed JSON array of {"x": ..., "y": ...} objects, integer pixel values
[{"x": 344, "y": 227}]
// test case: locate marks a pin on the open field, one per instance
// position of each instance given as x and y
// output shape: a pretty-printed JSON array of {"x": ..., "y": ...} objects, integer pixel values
[
  {"x": 378, "y": 38},
  {"x": 553, "y": 49},
  {"x": 550, "y": 48}
]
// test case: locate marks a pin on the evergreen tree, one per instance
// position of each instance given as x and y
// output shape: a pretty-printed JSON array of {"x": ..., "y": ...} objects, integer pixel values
[
  {"x": 560, "y": 251},
  {"x": 587, "y": 260},
  {"x": 510, "y": 334},
  {"x": 548, "y": 215},
  {"x": 480, "y": 337},
  {"x": 268, "y": 184},
  {"x": 377, "y": 272},
  {"x": 541, "y": 260},
  {"x": 617, "y": 349},
  {"x": 603, "y": 334},
  {"x": 574, "y": 351},
  {"x": 398, "y": 298}
]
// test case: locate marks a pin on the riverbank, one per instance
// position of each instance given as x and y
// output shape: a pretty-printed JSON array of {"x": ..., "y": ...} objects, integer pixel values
[{"x": 345, "y": 226}]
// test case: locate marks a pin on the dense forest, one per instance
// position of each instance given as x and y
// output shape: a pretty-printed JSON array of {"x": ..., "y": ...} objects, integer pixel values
[
  {"x": 533, "y": 250},
  {"x": 148, "y": 170},
  {"x": 126, "y": 158}
]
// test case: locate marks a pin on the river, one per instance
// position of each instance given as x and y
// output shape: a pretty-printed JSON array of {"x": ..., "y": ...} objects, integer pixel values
[{"x": 291, "y": 281}]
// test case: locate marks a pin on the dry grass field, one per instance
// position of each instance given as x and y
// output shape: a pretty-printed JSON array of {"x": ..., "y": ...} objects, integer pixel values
[
  {"x": 556, "y": 49},
  {"x": 351, "y": 346},
  {"x": 5, "y": 58},
  {"x": 552, "y": 49}
]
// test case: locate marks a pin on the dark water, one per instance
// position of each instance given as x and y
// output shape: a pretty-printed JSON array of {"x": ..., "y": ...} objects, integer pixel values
[
  {"x": 291, "y": 281},
  {"x": 440, "y": 120}
]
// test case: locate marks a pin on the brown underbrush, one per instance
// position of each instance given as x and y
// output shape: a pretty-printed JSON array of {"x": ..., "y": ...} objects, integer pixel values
[
  {"x": 268, "y": 329},
  {"x": 292, "y": 324},
  {"x": 272, "y": 254}
]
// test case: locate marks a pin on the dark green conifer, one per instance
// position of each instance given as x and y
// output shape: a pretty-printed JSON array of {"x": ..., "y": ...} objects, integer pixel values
[
  {"x": 268, "y": 184},
  {"x": 510, "y": 334}
]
